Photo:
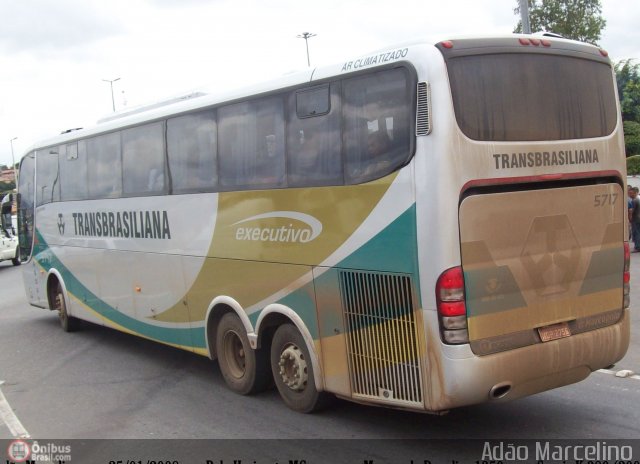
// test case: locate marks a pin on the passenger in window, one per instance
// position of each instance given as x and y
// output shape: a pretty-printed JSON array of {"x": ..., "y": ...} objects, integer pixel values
[
  {"x": 155, "y": 183},
  {"x": 309, "y": 155},
  {"x": 271, "y": 145},
  {"x": 268, "y": 168},
  {"x": 378, "y": 144},
  {"x": 377, "y": 161}
]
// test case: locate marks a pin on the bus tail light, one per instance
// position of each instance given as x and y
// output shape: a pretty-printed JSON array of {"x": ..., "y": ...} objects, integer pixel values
[
  {"x": 452, "y": 311},
  {"x": 626, "y": 279}
]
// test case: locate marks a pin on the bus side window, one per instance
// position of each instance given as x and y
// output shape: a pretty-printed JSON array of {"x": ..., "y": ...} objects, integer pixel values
[
  {"x": 314, "y": 142},
  {"x": 252, "y": 144},
  {"x": 48, "y": 176},
  {"x": 143, "y": 161},
  {"x": 191, "y": 146},
  {"x": 104, "y": 166},
  {"x": 73, "y": 171},
  {"x": 376, "y": 112}
]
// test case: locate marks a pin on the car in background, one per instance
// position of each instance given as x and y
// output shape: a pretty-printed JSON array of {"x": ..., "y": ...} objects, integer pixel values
[
  {"x": 8, "y": 238},
  {"x": 9, "y": 247}
]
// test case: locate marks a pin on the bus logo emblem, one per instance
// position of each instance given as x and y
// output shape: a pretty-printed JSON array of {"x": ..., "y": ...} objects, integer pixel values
[
  {"x": 493, "y": 285},
  {"x": 551, "y": 254},
  {"x": 61, "y": 224}
]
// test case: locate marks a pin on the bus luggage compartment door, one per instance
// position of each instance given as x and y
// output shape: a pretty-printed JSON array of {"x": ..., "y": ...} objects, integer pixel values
[{"x": 541, "y": 264}]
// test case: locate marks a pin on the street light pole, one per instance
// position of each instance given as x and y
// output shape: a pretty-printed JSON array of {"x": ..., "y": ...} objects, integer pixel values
[
  {"x": 524, "y": 16},
  {"x": 111, "y": 81},
  {"x": 13, "y": 160},
  {"x": 306, "y": 36}
]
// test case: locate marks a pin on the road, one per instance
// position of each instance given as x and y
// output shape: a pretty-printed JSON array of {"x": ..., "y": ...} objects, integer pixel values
[{"x": 99, "y": 383}]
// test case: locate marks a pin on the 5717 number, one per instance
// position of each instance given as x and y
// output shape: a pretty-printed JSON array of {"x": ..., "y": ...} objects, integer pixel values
[{"x": 605, "y": 199}]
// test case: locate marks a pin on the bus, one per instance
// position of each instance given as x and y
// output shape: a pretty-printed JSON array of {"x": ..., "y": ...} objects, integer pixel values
[{"x": 423, "y": 227}]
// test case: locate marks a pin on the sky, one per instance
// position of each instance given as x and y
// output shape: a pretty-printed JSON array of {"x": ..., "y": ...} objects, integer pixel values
[{"x": 54, "y": 55}]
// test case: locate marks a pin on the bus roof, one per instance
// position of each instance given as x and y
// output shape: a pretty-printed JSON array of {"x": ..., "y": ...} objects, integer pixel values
[{"x": 398, "y": 53}]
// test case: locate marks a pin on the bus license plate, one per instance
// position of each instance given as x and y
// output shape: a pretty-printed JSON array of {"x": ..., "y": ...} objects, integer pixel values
[{"x": 554, "y": 332}]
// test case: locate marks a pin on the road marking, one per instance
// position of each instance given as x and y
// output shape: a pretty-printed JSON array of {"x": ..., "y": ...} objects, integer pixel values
[
  {"x": 10, "y": 419},
  {"x": 610, "y": 372}
]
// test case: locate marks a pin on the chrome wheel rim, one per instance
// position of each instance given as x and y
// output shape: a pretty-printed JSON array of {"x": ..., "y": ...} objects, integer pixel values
[{"x": 293, "y": 368}]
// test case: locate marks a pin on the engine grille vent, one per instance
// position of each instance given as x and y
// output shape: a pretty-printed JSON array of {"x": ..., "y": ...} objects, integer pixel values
[
  {"x": 423, "y": 112},
  {"x": 383, "y": 349}
]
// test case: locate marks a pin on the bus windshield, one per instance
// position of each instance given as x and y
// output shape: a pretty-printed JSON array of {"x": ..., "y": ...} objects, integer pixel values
[{"x": 532, "y": 97}]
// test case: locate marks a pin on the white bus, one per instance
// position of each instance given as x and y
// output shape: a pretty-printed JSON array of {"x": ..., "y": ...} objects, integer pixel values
[{"x": 425, "y": 227}]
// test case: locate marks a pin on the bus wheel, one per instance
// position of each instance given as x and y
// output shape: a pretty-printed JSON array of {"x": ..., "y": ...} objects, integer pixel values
[
  {"x": 292, "y": 371},
  {"x": 68, "y": 323},
  {"x": 244, "y": 369}
]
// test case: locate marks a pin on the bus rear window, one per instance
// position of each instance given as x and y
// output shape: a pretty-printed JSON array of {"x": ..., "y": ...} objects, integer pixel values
[{"x": 532, "y": 97}]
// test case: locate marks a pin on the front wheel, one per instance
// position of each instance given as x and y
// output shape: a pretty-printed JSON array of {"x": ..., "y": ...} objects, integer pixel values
[
  {"x": 293, "y": 372},
  {"x": 16, "y": 261},
  {"x": 244, "y": 369},
  {"x": 67, "y": 322}
]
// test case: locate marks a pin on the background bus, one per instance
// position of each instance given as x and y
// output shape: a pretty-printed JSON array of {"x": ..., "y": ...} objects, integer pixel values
[{"x": 424, "y": 227}]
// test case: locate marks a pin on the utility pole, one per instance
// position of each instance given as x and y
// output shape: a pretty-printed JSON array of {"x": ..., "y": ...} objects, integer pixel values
[
  {"x": 306, "y": 36},
  {"x": 524, "y": 16},
  {"x": 111, "y": 81}
]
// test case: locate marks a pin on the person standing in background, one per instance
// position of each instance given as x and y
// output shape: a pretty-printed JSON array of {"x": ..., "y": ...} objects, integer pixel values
[
  {"x": 629, "y": 208},
  {"x": 635, "y": 218}
]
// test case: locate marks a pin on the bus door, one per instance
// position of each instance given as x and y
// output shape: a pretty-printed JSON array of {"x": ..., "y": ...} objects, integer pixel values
[{"x": 26, "y": 227}]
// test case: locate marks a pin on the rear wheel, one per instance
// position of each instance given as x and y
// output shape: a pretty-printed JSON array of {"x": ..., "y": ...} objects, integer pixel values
[
  {"x": 16, "y": 261},
  {"x": 293, "y": 372},
  {"x": 244, "y": 369},
  {"x": 68, "y": 323}
]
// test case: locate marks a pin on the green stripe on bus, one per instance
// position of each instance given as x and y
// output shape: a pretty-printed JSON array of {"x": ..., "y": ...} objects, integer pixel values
[
  {"x": 191, "y": 337},
  {"x": 604, "y": 272}
]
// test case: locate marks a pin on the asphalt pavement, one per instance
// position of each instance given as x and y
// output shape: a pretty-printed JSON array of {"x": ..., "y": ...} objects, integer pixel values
[{"x": 99, "y": 383}]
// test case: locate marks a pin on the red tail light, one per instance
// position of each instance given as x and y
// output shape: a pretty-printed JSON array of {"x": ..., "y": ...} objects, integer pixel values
[
  {"x": 455, "y": 308},
  {"x": 452, "y": 311},
  {"x": 450, "y": 286},
  {"x": 626, "y": 277}
]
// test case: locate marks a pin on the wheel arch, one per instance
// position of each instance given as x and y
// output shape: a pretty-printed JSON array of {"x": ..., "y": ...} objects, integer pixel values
[
  {"x": 218, "y": 307},
  {"x": 54, "y": 277}
]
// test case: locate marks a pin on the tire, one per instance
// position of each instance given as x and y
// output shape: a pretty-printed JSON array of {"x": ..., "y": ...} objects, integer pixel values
[
  {"x": 293, "y": 372},
  {"x": 67, "y": 322},
  {"x": 245, "y": 370},
  {"x": 16, "y": 261}
]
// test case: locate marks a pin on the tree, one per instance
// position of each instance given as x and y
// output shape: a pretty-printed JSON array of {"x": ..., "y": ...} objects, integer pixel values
[
  {"x": 574, "y": 19},
  {"x": 633, "y": 165},
  {"x": 631, "y": 137},
  {"x": 628, "y": 80},
  {"x": 6, "y": 187}
]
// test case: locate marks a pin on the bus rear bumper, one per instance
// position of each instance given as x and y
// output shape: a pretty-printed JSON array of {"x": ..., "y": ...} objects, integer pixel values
[{"x": 460, "y": 378}]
